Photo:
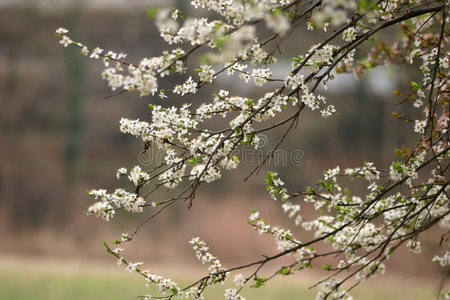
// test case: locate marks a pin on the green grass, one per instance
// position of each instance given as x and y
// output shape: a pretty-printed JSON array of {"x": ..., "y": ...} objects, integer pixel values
[
  {"x": 15, "y": 284},
  {"x": 36, "y": 280}
]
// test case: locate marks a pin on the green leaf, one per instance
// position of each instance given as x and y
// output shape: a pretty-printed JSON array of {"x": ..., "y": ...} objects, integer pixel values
[
  {"x": 220, "y": 41},
  {"x": 152, "y": 11},
  {"x": 365, "y": 5},
  {"x": 415, "y": 85},
  {"x": 397, "y": 167},
  {"x": 327, "y": 267},
  {"x": 277, "y": 12},
  {"x": 205, "y": 58},
  {"x": 347, "y": 191},
  {"x": 323, "y": 184},
  {"x": 269, "y": 179},
  {"x": 330, "y": 186},
  {"x": 259, "y": 281},
  {"x": 285, "y": 271},
  {"x": 194, "y": 160},
  {"x": 250, "y": 136}
]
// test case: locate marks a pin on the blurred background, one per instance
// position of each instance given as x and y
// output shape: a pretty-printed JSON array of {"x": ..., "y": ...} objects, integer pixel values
[{"x": 59, "y": 137}]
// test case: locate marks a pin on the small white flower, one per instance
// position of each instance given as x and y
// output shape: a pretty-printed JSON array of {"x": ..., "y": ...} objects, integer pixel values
[
  {"x": 349, "y": 34},
  {"x": 419, "y": 126},
  {"x": 65, "y": 40},
  {"x": 188, "y": 87},
  {"x": 61, "y": 30},
  {"x": 117, "y": 250},
  {"x": 206, "y": 73},
  {"x": 278, "y": 182},
  {"x": 239, "y": 280},
  {"x": 137, "y": 176},
  {"x": 95, "y": 53},
  {"x": 85, "y": 51},
  {"x": 414, "y": 246},
  {"x": 125, "y": 237},
  {"x": 120, "y": 172}
]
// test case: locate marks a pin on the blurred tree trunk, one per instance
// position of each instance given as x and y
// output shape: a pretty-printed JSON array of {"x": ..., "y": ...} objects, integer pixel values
[
  {"x": 7, "y": 124},
  {"x": 75, "y": 118}
]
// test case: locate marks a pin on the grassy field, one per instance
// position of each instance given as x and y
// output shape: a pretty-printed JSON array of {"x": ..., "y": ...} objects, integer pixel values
[{"x": 39, "y": 279}]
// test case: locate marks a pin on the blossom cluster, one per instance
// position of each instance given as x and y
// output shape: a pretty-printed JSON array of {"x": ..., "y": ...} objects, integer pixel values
[
  {"x": 120, "y": 199},
  {"x": 427, "y": 201},
  {"x": 409, "y": 196}
]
